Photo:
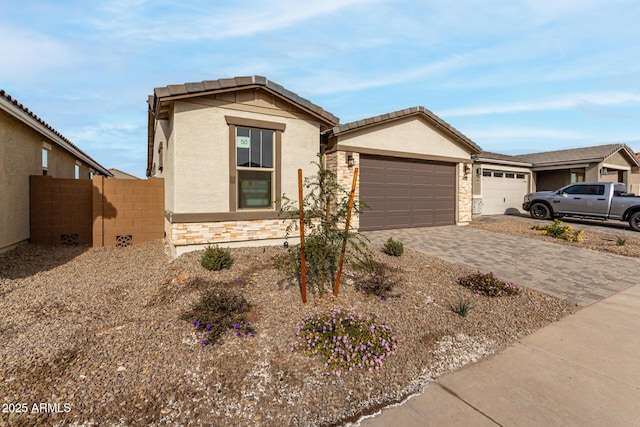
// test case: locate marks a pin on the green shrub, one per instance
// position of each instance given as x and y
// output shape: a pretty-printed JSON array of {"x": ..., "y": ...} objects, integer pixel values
[
  {"x": 393, "y": 247},
  {"x": 488, "y": 284},
  {"x": 346, "y": 340},
  {"x": 217, "y": 312},
  {"x": 462, "y": 307},
  {"x": 375, "y": 278},
  {"x": 621, "y": 240},
  {"x": 216, "y": 258},
  {"x": 558, "y": 230}
]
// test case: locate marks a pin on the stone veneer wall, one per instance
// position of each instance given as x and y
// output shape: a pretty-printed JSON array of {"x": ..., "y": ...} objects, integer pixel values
[
  {"x": 465, "y": 195},
  {"x": 337, "y": 162},
  {"x": 227, "y": 231}
]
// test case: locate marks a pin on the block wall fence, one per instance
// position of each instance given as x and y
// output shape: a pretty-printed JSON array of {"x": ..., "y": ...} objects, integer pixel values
[{"x": 101, "y": 211}]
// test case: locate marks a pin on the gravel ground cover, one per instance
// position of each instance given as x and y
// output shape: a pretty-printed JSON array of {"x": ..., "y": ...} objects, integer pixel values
[
  {"x": 597, "y": 241},
  {"x": 96, "y": 335}
]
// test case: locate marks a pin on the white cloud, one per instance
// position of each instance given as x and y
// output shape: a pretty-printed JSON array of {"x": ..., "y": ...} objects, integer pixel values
[
  {"x": 523, "y": 132},
  {"x": 106, "y": 135},
  {"x": 191, "y": 23},
  {"x": 27, "y": 53},
  {"x": 559, "y": 103}
]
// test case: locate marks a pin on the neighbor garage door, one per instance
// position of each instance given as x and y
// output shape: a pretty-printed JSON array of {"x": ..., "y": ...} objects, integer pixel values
[
  {"x": 503, "y": 191},
  {"x": 406, "y": 193}
]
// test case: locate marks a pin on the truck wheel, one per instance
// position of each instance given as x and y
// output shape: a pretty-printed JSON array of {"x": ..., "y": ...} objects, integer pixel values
[
  {"x": 541, "y": 211},
  {"x": 634, "y": 221}
]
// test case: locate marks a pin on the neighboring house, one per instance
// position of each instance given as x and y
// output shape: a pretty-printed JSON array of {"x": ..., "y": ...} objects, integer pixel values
[
  {"x": 500, "y": 183},
  {"x": 498, "y": 178},
  {"x": 29, "y": 146},
  {"x": 117, "y": 173},
  {"x": 229, "y": 148}
]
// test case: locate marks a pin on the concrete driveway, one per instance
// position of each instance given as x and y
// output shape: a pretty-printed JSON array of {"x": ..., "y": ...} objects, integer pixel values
[{"x": 582, "y": 370}]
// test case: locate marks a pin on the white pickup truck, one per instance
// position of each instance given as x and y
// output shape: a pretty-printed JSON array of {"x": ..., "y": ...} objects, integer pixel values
[{"x": 600, "y": 200}]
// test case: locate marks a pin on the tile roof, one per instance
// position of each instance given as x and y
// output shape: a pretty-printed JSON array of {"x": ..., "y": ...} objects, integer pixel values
[
  {"x": 502, "y": 157},
  {"x": 239, "y": 83},
  {"x": 576, "y": 155},
  {"x": 18, "y": 106},
  {"x": 419, "y": 110}
]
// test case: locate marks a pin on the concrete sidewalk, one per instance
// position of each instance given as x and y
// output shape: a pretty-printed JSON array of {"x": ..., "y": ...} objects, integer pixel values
[{"x": 581, "y": 371}]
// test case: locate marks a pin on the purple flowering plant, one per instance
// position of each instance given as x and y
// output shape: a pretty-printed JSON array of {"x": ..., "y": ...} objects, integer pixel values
[
  {"x": 346, "y": 340},
  {"x": 217, "y": 312}
]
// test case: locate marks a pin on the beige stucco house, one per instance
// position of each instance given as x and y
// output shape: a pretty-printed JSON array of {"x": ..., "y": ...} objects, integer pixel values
[
  {"x": 229, "y": 148},
  {"x": 29, "y": 146},
  {"x": 500, "y": 181}
]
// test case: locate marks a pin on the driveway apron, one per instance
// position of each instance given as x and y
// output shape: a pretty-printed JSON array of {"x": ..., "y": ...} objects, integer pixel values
[{"x": 580, "y": 276}]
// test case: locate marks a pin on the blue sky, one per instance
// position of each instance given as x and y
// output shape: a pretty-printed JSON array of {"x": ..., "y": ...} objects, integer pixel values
[{"x": 515, "y": 76}]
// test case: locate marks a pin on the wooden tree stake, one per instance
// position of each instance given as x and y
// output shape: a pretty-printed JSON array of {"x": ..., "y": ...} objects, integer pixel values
[
  {"x": 303, "y": 267},
  {"x": 346, "y": 231}
]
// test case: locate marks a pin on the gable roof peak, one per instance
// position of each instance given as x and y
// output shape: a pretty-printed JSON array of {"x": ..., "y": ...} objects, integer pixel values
[
  {"x": 232, "y": 83},
  {"x": 418, "y": 110}
]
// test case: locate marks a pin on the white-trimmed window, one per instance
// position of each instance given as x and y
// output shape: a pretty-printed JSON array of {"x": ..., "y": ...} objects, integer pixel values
[
  {"x": 91, "y": 173},
  {"x": 255, "y": 167},
  {"x": 77, "y": 171},
  {"x": 45, "y": 161}
]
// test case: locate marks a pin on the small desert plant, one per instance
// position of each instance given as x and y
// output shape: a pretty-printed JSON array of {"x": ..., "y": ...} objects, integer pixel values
[
  {"x": 374, "y": 278},
  {"x": 346, "y": 340},
  {"x": 488, "y": 284},
  {"x": 558, "y": 230},
  {"x": 218, "y": 311},
  {"x": 216, "y": 258},
  {"x": 393, "y": 247},
  {"x": 621, "y": 240},
  {"x": 462, "y": 307}
]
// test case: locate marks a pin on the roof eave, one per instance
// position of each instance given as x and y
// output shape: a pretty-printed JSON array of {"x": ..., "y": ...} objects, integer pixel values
[{"x": 30, "y": 121}]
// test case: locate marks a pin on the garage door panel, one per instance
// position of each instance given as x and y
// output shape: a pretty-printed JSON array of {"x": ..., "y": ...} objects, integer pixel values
[
  {"x": 398, "y": 220},
  {"x": 406, "y": 193},
  {"x": 501, "y": 194},
  {"x": 398, "y": 180}
]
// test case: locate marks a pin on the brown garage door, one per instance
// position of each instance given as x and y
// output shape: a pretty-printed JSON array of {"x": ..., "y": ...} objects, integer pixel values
[{"x": 406, "y": 193}]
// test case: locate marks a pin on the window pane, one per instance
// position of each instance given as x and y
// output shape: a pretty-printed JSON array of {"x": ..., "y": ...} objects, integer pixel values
[
  {"x": 45, "y": 158},
  {"x": 242, "y": 153},
  {"x": 254, "y": 189},
  {"x": 576, "y": 189},
  {"x": 267, "y": 149},
  {"x": 509, "y": 175},
  {"x": 255, "y": 148},
  {"x": 486, "y": 173},
  {"x": 520, "y": 176},
  {"x": 498, "y": 174},
  {"x": 242, "y": 157}
]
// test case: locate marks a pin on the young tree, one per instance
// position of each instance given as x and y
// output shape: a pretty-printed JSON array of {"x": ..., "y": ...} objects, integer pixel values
[{"x": 326, "y": 209}]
